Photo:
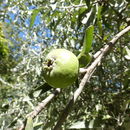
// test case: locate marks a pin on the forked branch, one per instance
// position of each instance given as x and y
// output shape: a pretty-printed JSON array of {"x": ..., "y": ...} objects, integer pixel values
[{"x": 89, "y": 71}]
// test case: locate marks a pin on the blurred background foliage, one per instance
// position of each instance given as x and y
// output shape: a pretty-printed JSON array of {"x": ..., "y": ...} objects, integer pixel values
[{"x": 29, "y": 29}]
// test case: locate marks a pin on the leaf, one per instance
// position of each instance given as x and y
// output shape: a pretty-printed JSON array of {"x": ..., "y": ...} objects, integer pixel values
[
  {"x": 34, "y": 14},
  {"x": 127, "y": 50},
  {"x": 38, "y": 125},
  {"x": 53, "y": 6},
  {"x": 37, "y": 93},
  {"x": 29, "y": 125},
  {"x": 84, "y": 57},
  {"x": 91, "y": 124},
  {"x": 98, "y": 107},
  {"x": 78, "y": 125},
  {"x": 105, "y": 117},
  {"x": 99, "y": 23},
  {"x": 127, "y": 57},
  {"x": 95, "y": 123},
  {"x": 87, "y": 17},
  {"x": 88, "y": 39},
  {"x": 40, "y": 90},
  {"x": 82, "y": 13},
  {"x": 128, "y": 53},
  {"x": 82, "y": 10}
]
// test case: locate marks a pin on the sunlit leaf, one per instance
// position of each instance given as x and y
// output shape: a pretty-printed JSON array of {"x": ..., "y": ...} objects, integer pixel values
[
  {"x": 33, "y": 16},
  {"x": 78, "y": 125},
  {"x": 128, "y": 53},
  {"x": 91, "y": 124},
  {"x": 37, "y": 93},
  {"x": 29, "y": 125},
  {"x": 127, "y": 50},
  {"x": 38, "y": 125}
]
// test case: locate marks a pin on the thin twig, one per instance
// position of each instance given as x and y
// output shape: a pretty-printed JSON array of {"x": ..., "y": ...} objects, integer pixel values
[
  {"x": 87, "y": 76},
  {"x": 73, "y": 6}
]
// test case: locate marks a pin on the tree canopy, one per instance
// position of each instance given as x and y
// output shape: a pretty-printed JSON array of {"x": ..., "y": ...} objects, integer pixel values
[{"x": 97, "y": 32}]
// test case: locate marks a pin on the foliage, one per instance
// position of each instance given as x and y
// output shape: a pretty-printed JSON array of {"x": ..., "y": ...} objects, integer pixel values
[
  {"x": 36, "y": 26},
  {"x": 6, "y": 59},
  {"x": 4, "y": 50}
]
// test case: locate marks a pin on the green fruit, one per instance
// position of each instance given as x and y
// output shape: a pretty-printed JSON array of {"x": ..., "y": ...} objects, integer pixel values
[{"x": 60, "y": 69}]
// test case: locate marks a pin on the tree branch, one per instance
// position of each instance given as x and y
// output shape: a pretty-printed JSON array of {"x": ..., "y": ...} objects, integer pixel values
[
  {"x": 89, "y": 71},
  {"x": 40, "y": 107}
]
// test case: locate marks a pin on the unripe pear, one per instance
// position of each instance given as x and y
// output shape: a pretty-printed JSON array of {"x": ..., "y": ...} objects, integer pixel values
[{"x": 60, "y": 69}]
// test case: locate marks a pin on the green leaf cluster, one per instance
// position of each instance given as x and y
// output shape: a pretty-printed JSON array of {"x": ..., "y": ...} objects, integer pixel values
[{"x": 4, "y": 50}]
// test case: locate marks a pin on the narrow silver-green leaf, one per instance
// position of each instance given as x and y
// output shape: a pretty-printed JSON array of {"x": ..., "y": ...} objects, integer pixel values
[
  {"x": 33, "y": 17},
  {"x": 29, "y": 125},
  {"x": 127, "y": 50},
  {"x": 78, "y": 125}
]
